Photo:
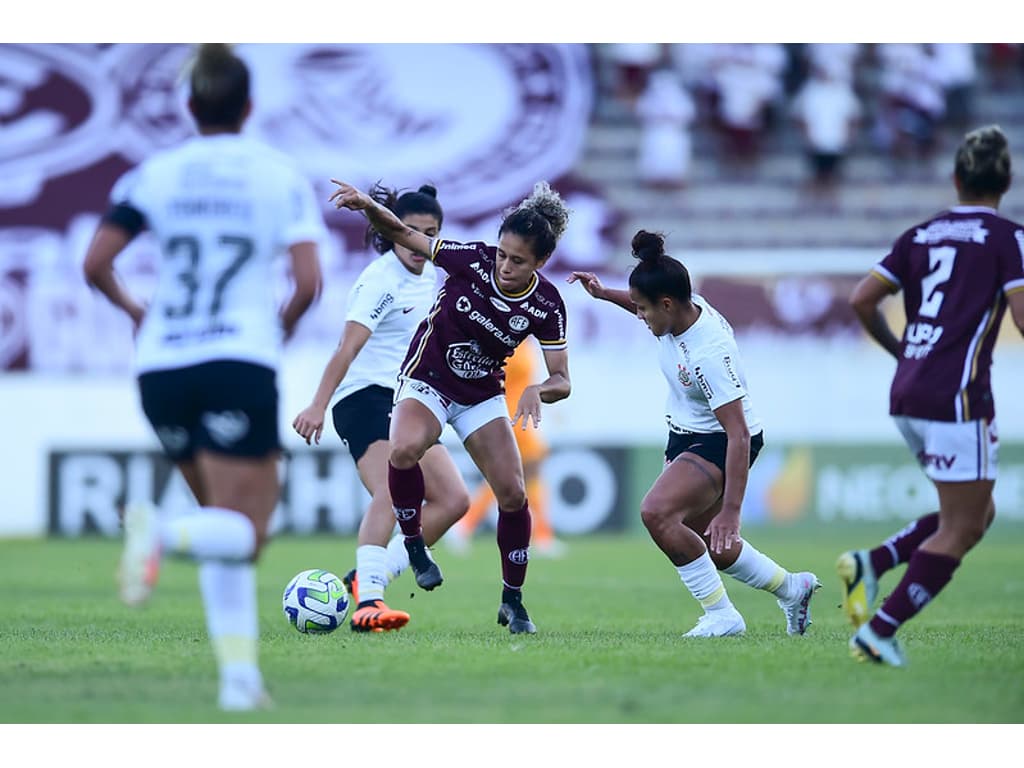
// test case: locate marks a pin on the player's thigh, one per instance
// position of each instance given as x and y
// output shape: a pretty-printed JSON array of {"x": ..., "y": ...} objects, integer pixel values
[
  {"x": 372, "y": 467},
  {"x": 494, "y": 451},
  {"x": 689, "y": 486},
  {"x": 362, "y": 420},
  {"x": 442, "y": 480},
  {"x": 966, "y": 504},
  {"x": 249, "y": 485},
  {"x": 418, "y": 416}
]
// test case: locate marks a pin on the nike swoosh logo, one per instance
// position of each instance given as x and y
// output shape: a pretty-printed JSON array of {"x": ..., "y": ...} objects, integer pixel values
[{"x": 407, "y": 310}]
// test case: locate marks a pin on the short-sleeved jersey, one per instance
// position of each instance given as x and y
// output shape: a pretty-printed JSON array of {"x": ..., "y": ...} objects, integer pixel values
[
  {"x": 460, "y": 347},
  {"x": 391, "y": 301},
  {"x": 222, "y": 208},
  {"x": 955, "y": 271},
  {"x": 704, "y": 372}
]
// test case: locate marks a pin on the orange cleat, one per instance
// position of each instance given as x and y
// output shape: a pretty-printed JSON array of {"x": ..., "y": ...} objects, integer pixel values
[{"x": 375, "y": 616}]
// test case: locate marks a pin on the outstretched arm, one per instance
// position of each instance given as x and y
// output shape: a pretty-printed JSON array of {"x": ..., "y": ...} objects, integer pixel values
[
  {"x": 865, "y": 300},
  {"x": 592, "y": 284},
  {"x": 380, "y": 218}
]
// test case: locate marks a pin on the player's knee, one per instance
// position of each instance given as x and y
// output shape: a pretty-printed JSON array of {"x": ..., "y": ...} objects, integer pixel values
[
  {"x": 404, "y": 454},
  {"x": 653, "y": 513},
  {"x": 511, "y": 497}
]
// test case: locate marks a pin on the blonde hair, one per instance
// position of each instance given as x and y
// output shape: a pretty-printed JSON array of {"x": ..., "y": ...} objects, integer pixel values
[{"x": 982, "y": 163}]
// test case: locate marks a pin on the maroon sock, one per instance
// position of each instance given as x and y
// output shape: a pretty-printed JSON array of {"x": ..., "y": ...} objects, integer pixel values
[
  {"x": 926, "y": 575},
  {"x": 514, "y": 544},
  {"x": 900, "y": 546},
  {"x": 406, "y": 487}
]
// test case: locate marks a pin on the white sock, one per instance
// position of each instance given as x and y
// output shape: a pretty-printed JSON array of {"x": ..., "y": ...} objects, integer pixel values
[
  {"x": 229, "y": 599},
  {"x": 760, "y": 572},
  {"x": 372, "y": 571},
  {"x": 398, "y": 557},
  {"x": 701, "y": 577},
  {"x": 211, "y": 533}
]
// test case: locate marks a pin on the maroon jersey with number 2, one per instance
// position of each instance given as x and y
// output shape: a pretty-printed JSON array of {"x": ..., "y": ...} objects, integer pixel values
[
  {"x": 955, "y": 272},
  {"x": 461, "y": 346}
]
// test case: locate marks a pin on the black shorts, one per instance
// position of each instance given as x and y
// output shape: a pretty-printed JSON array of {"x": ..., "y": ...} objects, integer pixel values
[
  {"x": 224, "y": 406},
  {"x": 363, "y": 418},
  {"x": 710, "y": 446}
]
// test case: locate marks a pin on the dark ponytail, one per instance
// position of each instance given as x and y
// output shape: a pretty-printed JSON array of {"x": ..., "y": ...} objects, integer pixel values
[
  {"x": 219, "y": 85},
  {"x": 658, "y": 274},
  {"x": 423, "y": 200}
]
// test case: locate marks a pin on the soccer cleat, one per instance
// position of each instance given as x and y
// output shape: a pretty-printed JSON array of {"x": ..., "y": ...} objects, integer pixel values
[
  {"x": 866, "y": 645},
  {"x": 722, "y": 623},
  {"x": 798, "y": 610},
  {"x": 860, "y": 585},
  {"x": 351, "y": 582},
  {"x": 375, "y": 616},
  {"x": 140, "y": 559},
  {"x": 237, "y": 697},
  {"x": 512, "y": 613},
  {"x": 428, "y": 575}
]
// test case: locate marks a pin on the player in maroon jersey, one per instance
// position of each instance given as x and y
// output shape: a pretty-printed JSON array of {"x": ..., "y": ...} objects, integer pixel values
[
  {"x": 958, "y": 272},
  {"x": 493, "y": 298}
]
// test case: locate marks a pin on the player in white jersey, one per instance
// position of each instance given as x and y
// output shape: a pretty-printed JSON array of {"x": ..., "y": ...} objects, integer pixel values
[
  {"x": 693, "y": 509},
  {"x": 222, "y": 207},
  {"x": 390, "y": 298}
]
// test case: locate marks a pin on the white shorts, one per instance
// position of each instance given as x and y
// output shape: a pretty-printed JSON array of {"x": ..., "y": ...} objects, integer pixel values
[
  {"x": 465, "y": 419},
  {"x": 952, "y": 451}
]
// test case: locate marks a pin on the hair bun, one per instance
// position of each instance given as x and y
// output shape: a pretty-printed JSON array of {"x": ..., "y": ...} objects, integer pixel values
[
  {"x": 648, "y": 245},
  {"x": 428, "y": 189}
]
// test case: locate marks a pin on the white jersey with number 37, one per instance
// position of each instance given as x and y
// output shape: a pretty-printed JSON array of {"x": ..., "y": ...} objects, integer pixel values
[{"x": 222, "y": 208}]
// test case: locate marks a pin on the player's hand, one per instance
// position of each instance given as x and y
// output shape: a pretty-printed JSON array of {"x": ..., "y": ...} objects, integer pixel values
[
  {"x": 591, "y": 283},
  {"x": 528, "y": 407},
  {"x": 723, "y": 531},
  {"x": 310, "y": 424},
  {"x": 347, "y": 196}
]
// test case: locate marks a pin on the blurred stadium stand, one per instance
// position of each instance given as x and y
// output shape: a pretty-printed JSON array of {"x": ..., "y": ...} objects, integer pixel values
[{"x": 765, "y": 204}]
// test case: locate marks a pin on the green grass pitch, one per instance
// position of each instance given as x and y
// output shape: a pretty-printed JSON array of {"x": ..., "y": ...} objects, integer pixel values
[{"x": 610, "y": 616}]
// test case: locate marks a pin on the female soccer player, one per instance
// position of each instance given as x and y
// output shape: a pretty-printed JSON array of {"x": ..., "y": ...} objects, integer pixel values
[
  {"x": 222, "y": 207},
  {"x": 693, "y": 509},
  {"x": 493, "y": 298},
  {"x": 958, "y": 271},
  {"x": 388, "y": 300}
]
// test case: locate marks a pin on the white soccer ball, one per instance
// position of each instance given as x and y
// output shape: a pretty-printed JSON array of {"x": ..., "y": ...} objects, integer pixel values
[{"x": 315, "y": 602}]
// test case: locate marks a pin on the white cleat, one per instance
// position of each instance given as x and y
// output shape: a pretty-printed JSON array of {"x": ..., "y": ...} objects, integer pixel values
[
  {"x": 866, "y": 645},
  {"x": 237, "y": 697},
  {"x": 798, "y": 610},
  {"x": 723, "y": 623},
  {"x": 140, "y": 559}
]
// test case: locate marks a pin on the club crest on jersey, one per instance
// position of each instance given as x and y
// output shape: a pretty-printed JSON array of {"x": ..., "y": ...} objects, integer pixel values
[
  {"x": 684, "y": 376},
  {"x": 518, "y": 323}
]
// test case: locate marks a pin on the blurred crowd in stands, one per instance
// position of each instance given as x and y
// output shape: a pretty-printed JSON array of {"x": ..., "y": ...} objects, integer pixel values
[{"x": 898, "y": 99}]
